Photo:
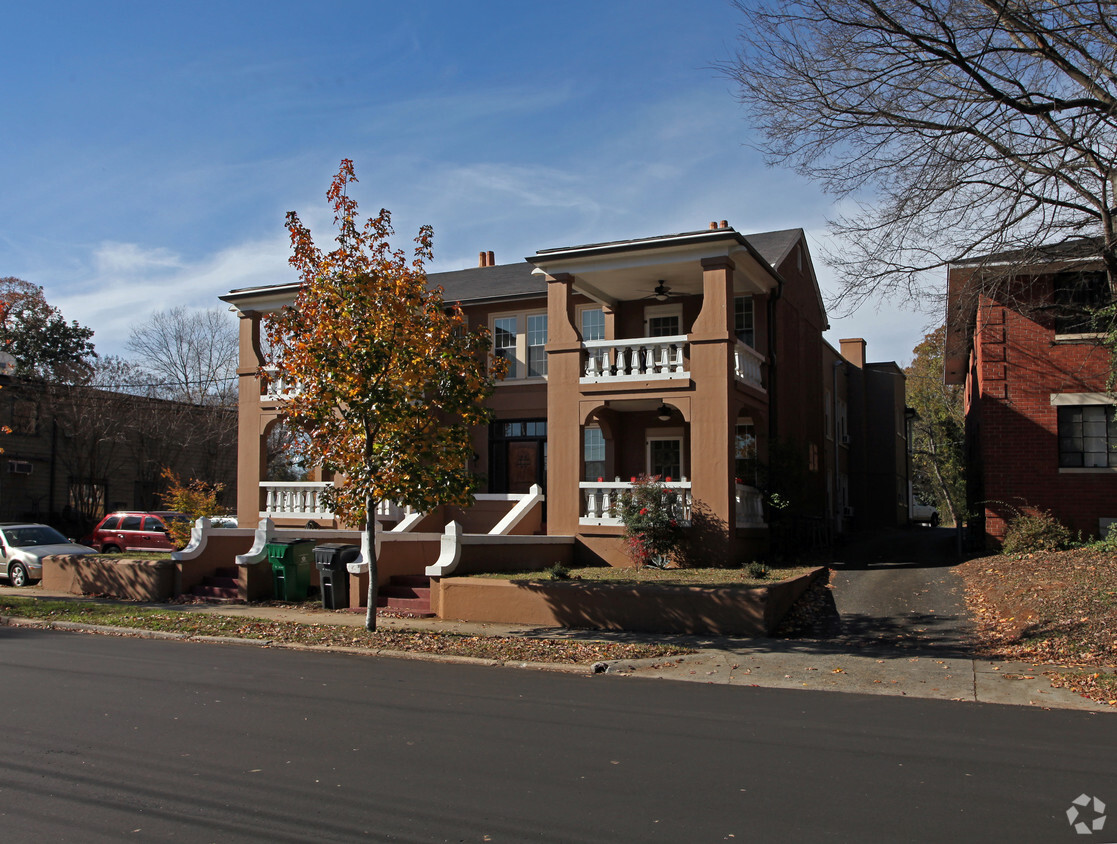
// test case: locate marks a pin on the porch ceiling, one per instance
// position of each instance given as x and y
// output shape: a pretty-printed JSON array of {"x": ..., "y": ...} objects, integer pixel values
[{"x": 621, "y": 276}]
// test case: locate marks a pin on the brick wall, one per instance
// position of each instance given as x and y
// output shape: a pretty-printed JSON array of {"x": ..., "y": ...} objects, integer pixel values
[{"x": 1017, "y": 364}]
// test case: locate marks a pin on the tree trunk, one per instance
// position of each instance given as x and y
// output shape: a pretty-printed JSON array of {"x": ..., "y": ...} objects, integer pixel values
[{"x": 368, "y": 552}]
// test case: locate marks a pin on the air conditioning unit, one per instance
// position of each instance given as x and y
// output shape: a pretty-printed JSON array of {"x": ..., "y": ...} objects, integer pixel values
[
  {"x": 847, "y": 511},
  {"x": 20, "y": 467}
]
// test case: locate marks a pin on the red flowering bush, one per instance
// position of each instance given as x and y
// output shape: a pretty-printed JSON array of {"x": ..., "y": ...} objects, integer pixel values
[{"x": 651, "y": 513}]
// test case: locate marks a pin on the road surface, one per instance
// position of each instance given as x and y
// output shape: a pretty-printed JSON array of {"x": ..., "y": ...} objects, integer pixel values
[{"x": 113, "y": 738}]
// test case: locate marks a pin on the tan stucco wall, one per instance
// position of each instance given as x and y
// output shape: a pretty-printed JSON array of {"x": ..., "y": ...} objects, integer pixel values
[
  {"x": 132, "y": 580},
  {"x": 660, "y": 609}
]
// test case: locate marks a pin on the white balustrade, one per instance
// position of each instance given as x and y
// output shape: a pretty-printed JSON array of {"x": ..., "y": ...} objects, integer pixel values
[
  {"x": 750, "y": 507},
  {"x": 747, "y": 363},
  {"x": 277, "y": 387},
  {"x": 600, "y": 500},
  {"x": 637, "y": 359},
  {"x": 295, "y": 500}
]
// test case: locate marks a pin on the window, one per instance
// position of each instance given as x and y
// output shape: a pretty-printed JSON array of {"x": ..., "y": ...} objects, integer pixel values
[
  {"x": 521, "y": 339},
  {"x": 663, "y": 320},
  {"x": 665, "y": 458},
  {"x": 593, "y": 447},
  {"x": 593, "y": 324},
  {"x": 504, "y": 342},
  {"x": 131, "y": 523},
  {"x": 743, "y": 315},
  {"x": 746, "y": 452},
  {"x": 1077, "y": 294},
  {"x": 536, "y": 345},
  {"x": 1087, "y": 436},
  {"x": 151, "y": 523}
]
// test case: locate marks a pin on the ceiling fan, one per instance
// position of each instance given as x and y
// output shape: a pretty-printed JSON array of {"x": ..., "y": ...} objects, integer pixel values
[{"x": 661, "y": 293}]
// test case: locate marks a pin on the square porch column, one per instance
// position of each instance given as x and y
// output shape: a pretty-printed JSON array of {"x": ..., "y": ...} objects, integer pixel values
[
  {"x": 251, "y": 449},
  {"x": 564, "y": 446}
]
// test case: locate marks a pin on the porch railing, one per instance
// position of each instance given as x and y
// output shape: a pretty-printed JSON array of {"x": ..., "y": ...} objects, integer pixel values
[
  {"x": 747, "y": 362},
  {"x": 295, "y": 500},
  {"x": 600, "y": 500},
  {"x": 750, "y": 507},
  {"x": 637, "y": 359},
  {"x": 305, "y": 500},
  {"x": 277, "y": 387}
]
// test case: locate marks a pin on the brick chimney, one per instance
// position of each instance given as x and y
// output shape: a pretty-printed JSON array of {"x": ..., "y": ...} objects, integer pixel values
[
  {"x": 486, "y": 259},
  {"x": 853, "y": 350}
]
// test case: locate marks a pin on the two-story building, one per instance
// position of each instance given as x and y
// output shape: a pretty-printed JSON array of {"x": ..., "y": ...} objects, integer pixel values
[
  {"x": 1041, "y": 429},
  {"x": 695, "y": 357}
]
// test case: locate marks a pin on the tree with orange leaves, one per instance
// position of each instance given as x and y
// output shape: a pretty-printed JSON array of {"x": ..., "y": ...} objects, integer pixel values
[{"x": 391, "y": 382}]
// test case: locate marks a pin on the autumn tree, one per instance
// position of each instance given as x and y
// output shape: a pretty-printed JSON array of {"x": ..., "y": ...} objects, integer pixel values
[
  {"x": 938, "y": 430},
  {"x": 952, "y": 129},
  {"x": 391, "y": 381},
  {"x": 44, "y": 345}
]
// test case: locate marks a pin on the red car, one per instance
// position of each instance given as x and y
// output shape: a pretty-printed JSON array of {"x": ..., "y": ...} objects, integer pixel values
[{"x": 131, "y": 531}]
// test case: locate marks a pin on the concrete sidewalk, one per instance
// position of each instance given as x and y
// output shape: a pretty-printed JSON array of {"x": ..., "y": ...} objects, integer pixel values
[{"x": 771, "y": 663}]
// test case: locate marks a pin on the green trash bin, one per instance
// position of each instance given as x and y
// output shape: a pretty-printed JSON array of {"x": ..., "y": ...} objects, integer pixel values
[{"x": 291, "y": 561}]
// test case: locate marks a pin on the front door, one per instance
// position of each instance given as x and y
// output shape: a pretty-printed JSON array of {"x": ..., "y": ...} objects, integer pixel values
[
  {"x": 517, "y": 455},
  {"x": 523, "y": 466}
]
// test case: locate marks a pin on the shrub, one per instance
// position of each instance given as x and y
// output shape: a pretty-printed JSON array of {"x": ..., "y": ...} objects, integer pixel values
[
  {"x": 650, "y": 513},
  {"x": 196, "y": 499},
  {"x": 557, "y": 572},
  {"x": 1029, "y": 533},
  {"x": 757, "y": 569}
]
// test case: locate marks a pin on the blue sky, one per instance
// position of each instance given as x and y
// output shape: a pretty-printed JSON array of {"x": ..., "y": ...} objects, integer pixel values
[{"x": 151, "y": 150}]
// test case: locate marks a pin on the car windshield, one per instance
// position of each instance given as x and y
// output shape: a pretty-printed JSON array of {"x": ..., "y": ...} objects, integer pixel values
[{"x": 26, "y": 537}]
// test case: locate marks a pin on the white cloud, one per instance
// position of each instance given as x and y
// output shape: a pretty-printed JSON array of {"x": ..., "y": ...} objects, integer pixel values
[{"x": 127, "y": 283}]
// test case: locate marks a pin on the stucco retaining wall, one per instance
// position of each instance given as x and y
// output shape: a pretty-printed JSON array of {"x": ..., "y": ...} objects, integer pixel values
[
  {"x": 132, "y": 580},
  {"x": 698, "y": 610}
]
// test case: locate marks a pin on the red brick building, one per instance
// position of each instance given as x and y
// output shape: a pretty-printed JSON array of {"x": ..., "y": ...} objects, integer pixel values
[{"x": 1040, "y": 424}]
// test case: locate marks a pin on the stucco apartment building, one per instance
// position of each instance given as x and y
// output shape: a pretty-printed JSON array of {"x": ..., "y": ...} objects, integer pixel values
[
  {"x": 697, "y": 357},
  {"x": 1040, "y": 423}
]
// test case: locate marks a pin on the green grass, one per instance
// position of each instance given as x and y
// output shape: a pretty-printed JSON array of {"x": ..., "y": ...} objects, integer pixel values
[
  {"x": 582, "y": 651},
  {"x": 676, "y": 577}
]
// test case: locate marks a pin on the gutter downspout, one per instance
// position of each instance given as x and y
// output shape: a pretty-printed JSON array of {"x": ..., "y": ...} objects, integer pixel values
[{"x": 772, "y": 299}]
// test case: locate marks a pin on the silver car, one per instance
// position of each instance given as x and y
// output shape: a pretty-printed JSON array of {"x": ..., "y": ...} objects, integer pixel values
[{"x": 23, "y": 546}]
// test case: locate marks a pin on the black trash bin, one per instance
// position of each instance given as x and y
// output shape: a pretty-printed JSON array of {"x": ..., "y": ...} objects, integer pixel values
[
  {"x": 331, "y": 560},
  {"x": 290, "y": 565}
]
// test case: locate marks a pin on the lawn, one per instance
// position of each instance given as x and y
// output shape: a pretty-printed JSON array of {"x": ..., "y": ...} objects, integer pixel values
[
  {"x": 1055, "y": 608},
  {"x": 194, "y": 623},
  {"x": 741, "y": 577}
]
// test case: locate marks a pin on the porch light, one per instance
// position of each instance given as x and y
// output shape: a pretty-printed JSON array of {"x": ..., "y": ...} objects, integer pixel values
[{"x": 664, "y": 413}]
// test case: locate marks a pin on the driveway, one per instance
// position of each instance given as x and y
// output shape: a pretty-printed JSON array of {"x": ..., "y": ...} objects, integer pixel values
[{"x": 898, "y": 588}]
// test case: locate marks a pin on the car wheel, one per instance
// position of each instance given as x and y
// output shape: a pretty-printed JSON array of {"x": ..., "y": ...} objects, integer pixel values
[
  {"x": 109, "y": 549},
  {"x": 934, "y": 520},
  {"x": 17, "y": 575}
]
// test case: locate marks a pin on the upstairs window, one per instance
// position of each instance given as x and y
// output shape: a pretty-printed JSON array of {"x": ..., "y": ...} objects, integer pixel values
[
  {"x": 593, "y": 324},
  {"x": 1077, "y": 295},
  {"x": 743, "y": 320},
  {"x": 1087, "y": 436},
  {"x": 521, "y": 339}
]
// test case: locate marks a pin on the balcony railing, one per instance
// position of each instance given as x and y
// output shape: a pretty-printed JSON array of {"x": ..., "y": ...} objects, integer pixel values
[
  {"x": 639, "y": 359},
  {"x": 600, "y": 500},
  {"x": 750, "y": 507},
  {"x": 277, "y": 387},
  {"x": 747, "y": 362}
]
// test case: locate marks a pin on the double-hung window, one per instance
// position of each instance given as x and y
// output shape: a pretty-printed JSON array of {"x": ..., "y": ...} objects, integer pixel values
[
  {"x": 744, "y": 320},
  {"x": 521, "y": 339}
]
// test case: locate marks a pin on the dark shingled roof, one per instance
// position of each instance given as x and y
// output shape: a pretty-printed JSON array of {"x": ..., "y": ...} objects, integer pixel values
[
  {"x": 480, "y": 283},
  {"x": 516, "y": 280}
]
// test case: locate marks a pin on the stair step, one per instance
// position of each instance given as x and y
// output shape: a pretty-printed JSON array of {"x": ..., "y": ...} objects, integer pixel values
[
  {"x": 403, "y": 603},
  {"x": 402, "y": 613},
  {"x": 222, "y": 582},
  {"x": 420, "y": 580},
  {"x": 222, "y": 592},
  {"x": 392, "y": 591},
  {"x": 228, "y": 571}
]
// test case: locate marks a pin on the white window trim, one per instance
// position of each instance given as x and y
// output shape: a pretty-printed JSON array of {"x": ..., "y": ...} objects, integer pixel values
[
  {"x": 1063, "y": 399},
  {"x": 521, "y": 344}
]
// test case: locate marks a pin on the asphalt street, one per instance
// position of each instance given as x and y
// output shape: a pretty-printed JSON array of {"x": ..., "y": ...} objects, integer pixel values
[{"x": 110, "y": 738}]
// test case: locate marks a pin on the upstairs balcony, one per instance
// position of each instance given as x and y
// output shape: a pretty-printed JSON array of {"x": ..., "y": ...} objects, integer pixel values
[{"x": 640, "y": 359}]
